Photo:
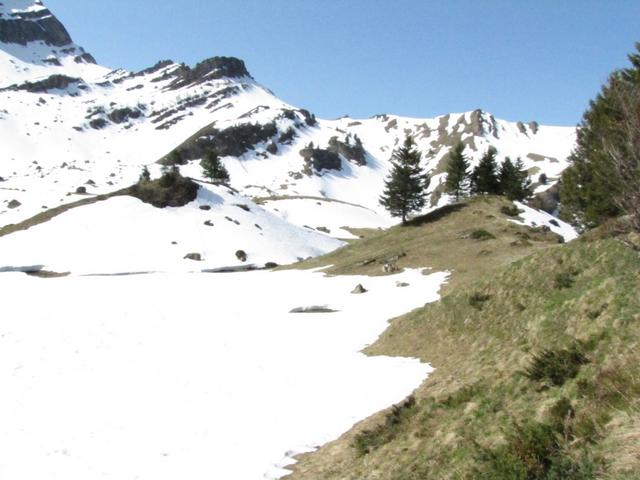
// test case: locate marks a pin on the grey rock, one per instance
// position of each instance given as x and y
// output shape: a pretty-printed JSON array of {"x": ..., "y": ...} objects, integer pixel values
[
  {"x": 196, "y": 257},
  {"x": 313, "y": 309},
  {"x": 359, "y": 290},
  {"x": 241, "y": 255}
]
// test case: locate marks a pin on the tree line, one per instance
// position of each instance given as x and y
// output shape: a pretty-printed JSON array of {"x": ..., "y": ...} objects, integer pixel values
[{"x": 406, "y": 186}]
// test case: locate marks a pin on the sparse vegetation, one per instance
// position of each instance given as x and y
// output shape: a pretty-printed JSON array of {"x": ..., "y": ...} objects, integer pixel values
[
  {"x": 531, "y": 382},
  {"x": 481, "y": 235},
  {"x": 556, "y": 366}
]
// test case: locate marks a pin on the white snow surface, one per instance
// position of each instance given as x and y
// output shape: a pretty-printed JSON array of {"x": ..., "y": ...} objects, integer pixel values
[
  {"x": 536, "y": 218},
  {"x": 195, "y": 376},
  {"x": 124, "y": 235}
]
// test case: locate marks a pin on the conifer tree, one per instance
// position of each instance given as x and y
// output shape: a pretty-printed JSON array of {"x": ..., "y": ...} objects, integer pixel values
[
  {"x": 405, "y": 188},
  {"x": 514, "y": 180},
  {"x": 603, "y": 179},
  {"x": 457, "y": 172},
  {"x": 484, "y": 178},
  {"x": 213, "y": 169}
]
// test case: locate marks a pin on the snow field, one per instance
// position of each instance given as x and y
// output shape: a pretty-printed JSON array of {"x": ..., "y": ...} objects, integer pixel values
[{"x": 193, "y": 376}]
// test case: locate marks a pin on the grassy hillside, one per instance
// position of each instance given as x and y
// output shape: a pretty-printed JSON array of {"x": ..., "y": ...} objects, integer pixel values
[
  {"x": 537, "y": 371},
  {"x": 469, "y": 239}
]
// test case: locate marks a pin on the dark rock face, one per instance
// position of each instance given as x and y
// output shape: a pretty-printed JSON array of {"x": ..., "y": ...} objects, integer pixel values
[
  {"x": 53, "y": 82},
  {"x": 354, "y": 153},
  {"x": 85, "y": 58},
  {"x": 25, "y": 27},
  {"x": 170, "y": 190},
  {"x": 548, "y": 200},
  {"x": 233, "y": 141},
  {"x": 318, "y": 159},
  {"x": 121, "y": 115},
  {"x": 241, "y": 255},
  {"x": 211, "y": 69}
]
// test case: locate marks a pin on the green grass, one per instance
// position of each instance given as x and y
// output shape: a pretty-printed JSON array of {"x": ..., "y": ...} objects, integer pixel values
[
  {"x": 441, "y": 240},
  {"x": 533, "y": 380}
]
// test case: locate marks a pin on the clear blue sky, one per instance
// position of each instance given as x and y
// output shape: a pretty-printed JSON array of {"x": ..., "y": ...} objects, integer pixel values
[{"x": 519, "y": 59}]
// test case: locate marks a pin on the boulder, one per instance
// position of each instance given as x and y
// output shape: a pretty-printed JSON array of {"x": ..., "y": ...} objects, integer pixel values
[
  {"x": 241, "y": 255},
  {"x": 81, "y": 190},
  {"x": 196, "y": 257},
  {"x": 14, "y": 204},
  {"x": 359, "y": 290}
]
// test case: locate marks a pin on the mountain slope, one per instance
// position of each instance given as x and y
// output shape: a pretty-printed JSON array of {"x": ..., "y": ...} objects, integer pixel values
[
  {"x": 67, "y": 122},
  {"x": 536, "y": 374}
]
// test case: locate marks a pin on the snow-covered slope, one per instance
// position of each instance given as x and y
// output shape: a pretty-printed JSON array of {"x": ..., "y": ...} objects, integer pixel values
[{"x": 66, "y": 122}]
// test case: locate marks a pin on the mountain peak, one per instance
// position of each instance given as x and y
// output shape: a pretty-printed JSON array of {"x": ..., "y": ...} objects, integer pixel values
[{"x": 25, "y": 21}]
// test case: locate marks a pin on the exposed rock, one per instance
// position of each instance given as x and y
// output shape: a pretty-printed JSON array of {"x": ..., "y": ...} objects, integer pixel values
[
  {"x": 14, "y": 204},
  {"x": 196, "y": 257},
  {"x": 241, "y": 255},
  {"x": 85, "y": 58},
  {"x": 354, "y": 153},
  {"x": 233, "y": 141},
  {"x": 534, "y": 126},
  {"x": 288, "y": 136},
  {"x": 359, "y": 290},
  {"x": 2, "y": 179},
  {"x": 54, "y": 82},
  {"x": 402, "y": 284},
  {"x": 211, "y": 69},
  {"x": 170, "y": 190},
  {"x": 313, "y": 309},
  {"x": 205, "y": 207},
  {"x": 81, "y": 190},
  {"x": 32, "y": 26},
  {"x": 390, "y": 267},
  {"x": 548, "y": 201},
  {"x": 121, "y": 115},
  {"x": 209, "y": 223},
  {"x": 270, "y": 265},
  {"x": 272, "y": 148},
  {"x": 318, "y": 159},
  {"x": 323, "y": 230},
  {"x": 309, "y": 118},
  {"x": 98, "y": 123}
]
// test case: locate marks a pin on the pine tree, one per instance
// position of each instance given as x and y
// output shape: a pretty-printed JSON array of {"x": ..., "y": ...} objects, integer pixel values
[
  {"x": 457, "y": 172},
  {"x": 405, "y": 188},
  {"x": 603, "y": 179},
  {"x": 484, "y": 178},
  {"x": 213, "y": 169},
  {"x": 514, "y": 180}
]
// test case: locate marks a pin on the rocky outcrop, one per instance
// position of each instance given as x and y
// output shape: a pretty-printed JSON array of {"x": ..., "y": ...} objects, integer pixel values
[
  {"x": 351, "y": 149},
  {"x": 32, "y": 26},
  {"x": 121, "y": 115},
  {"x": 317, "y": 159},
  {"x": 170, "y": 190},
  {"x": 54, "y": 82},
  {"x": 233, "y": 141},
  {"x": 211, "y": 69}
]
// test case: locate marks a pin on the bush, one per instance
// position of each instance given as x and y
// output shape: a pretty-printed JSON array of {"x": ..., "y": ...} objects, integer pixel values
[
  {"x": 556, "y": 366},
  {"x": 534, "y": 451},
  {"x": 563, "y": 280},
  {"x": 477, "y": 300},
  {"x": 481, "y": 235},
  {"x": 510, "y": 210},
  {"x": 369, "y": 440}
]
